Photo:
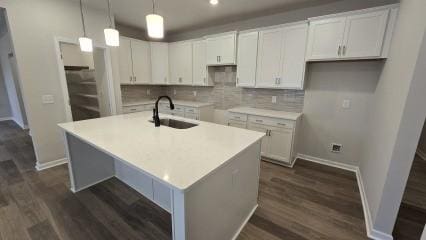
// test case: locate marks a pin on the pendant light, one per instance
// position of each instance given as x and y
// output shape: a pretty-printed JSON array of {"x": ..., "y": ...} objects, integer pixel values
[
  {"x": 86, "y": 44},
  {"x": 155, "y": 24},
  {"x": 112, "y": 36}
]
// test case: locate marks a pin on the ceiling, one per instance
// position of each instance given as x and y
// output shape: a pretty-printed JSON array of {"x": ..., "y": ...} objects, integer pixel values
[{"x": 182, "y": 15}]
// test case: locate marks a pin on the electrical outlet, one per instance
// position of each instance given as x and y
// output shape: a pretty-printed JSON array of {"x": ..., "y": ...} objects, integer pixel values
[
  {"x": 174, "y": 91},
  {"x": 336, "y": 148},
  {"x": 274, "y": 99},
  {"x": 346, "y": 104},
  {"x": 47, "y": 99},
  {"x": 195, "y": 93},
  {"x": 148, "y": 92}
]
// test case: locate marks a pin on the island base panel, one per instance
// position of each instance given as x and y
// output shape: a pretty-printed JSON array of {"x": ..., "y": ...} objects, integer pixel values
[
  {"x": 88, "y": 166},
  {"x": 219, "y": 205}
]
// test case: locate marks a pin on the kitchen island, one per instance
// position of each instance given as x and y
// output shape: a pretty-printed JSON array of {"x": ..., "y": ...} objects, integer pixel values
[{"x": 206, "y": 176}]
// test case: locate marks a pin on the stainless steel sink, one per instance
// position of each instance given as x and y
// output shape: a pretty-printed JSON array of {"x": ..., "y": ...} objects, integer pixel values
[{"x": 173, "y": 123}]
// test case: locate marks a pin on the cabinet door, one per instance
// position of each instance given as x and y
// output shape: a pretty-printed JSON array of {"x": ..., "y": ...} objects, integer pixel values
[
  {"x": 247, "y": 59},
  {"x": 293, "y": 57},
  {"x": 221, "y": 50},
  {"x": 180, "y": 62},
  {"x": 160, "y": 62},
  {"x": 125, "y": 61},
  {"x": 280, "y": 144},
  {"x": 141, "y": 56},
  {"x": 364, "y": 35},
  {"x": 325, "y": 38},
  {"x": 199, "y": 67},
  {"x": 237, "y": 124},
  {"x": 269, "y": 60},
  {"x": 265, "y": 139}
]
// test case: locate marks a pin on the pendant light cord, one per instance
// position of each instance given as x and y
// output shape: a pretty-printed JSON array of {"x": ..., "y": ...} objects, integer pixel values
[
  {"x": 153, "y": 6},
  {"x": 109, "y": 13},
  {"x": 82, "y": 18}
]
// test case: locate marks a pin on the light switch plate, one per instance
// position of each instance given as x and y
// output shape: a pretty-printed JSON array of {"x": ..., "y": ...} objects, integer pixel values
[
  {"x": 274, "y": 99},
  {"x": 346, "y": 104},
  {"x": 47, "y": 99}
]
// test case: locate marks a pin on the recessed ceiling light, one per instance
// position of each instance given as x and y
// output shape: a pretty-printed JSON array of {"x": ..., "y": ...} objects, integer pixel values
[{"x": 214, "y": 2}]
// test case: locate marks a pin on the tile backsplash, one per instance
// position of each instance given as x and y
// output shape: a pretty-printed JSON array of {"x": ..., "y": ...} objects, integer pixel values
[{"x": 224, "y": 94}]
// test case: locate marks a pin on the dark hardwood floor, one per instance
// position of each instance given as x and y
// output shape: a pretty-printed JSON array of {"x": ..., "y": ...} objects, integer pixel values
[
  {"x": 309, "y": 201},
  {"x": 412, "y": 212}
]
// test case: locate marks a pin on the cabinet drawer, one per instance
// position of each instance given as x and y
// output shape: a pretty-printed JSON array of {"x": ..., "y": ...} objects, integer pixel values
[
  {"x": 238, "y": 124},
  {"x": 276, "y": 122},
  {"x": 132, "y": 109},
  {"x": 237, "y": 116},
  {"x": 191, "y": 110}
]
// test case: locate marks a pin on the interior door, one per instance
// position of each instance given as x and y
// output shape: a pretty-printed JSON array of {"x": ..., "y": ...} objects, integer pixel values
[
  {"x": 247, "y": 59},
  {"x": 160, "y": 62},
  {"x": 326, "y": 38},
  {"x": 269, "y": 60},
  {"x": 199, "y": 67},
  {"x": 280, "y": 144},
  {"x": 364, "y": 34},
  {"x": 265, "y": 140},
  {"x": 125, "y": 61},
  {"x": 141, "y": 56},
  {"x": 293, "y": 57}
]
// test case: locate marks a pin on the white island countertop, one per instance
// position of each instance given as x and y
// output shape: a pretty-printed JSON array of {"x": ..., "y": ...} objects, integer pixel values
[
  {"x": 267, "y": 113},
  {"x": 177, "y": 157},
  {"x": 163, "y": 101}
]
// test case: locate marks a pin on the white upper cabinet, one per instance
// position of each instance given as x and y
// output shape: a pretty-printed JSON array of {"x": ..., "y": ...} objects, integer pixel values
[
  {"x": 281, "y": 57},
  {"x": 221, "y": 50},
  {"x": 293, "y": 56},
  {"x": 247, "y": 59},
  {"x": 269, "y": 58},
  {"x": 125, "y": 61},
  {"x": 180, "y": 63},
  {"x": 364, "y": 35},
  {"x": 199, "y": 67},
  {"x": 141, "y": 61},
  {"x": 160, "y": 62},
  {"x": 359, "y": 35},
  {"x": 325, "y": 38}
]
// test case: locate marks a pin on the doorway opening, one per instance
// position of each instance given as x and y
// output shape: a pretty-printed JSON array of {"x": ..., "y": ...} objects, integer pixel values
[
  {"x": 411, "y": 218},
  {"x": 86, "y": 81}
]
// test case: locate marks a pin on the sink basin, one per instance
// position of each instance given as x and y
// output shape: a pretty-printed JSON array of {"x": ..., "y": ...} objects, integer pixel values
[{"x": 173, "y": 123}]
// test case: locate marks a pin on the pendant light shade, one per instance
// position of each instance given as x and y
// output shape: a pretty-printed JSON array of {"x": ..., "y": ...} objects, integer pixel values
[
  {"x": 86, "y": 44},
  {"x": 112, "y": 36},
  {"x": 155, "y": 25}
]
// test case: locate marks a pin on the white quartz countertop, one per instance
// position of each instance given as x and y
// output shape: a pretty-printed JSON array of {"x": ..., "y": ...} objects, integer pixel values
[
  {"x": 177, "y": 157},
  {"x": 176, "y": 102},
  {"x": 267, "y": 113}
]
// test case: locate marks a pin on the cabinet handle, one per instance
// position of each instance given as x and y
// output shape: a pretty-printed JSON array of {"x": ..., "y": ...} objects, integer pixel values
[
  {"x": 344, "y": 50},
  {"x": 220, "y": 58},
  {"x": 282, "y": 124},
  {"x": 229, "y": 124},
  {"x": 279, "y": 81},
  {"x": 339, "y": 50},
  {"x": 270, "y": 131},
  {"x": 257, "y": 120},
  {"x": 205, "y": 80}
]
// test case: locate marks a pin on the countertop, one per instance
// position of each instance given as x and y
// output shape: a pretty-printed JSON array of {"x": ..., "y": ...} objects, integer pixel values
[
  {"x": 177, "y": 157},
  {"x": 267, "y": 113},
  {"x": 176, "y": 102}
]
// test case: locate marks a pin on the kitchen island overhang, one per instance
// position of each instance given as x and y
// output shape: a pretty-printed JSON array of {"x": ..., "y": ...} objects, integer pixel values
[{"x": 207, "y": 176}]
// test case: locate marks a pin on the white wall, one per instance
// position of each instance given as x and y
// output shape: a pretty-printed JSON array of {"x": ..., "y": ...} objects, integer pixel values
[
  {"x": 325, "y": 121},
  {"x": 73, "y": 56},
  {"x": 8, "y": 67},
  {"x": 395, "y": 119},
  {"x": 5, "y": 111},
  {"x": 33, "y": 28}
]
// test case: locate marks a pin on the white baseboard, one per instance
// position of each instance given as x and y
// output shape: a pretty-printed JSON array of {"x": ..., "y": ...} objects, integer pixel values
[
  {"x": 330, "y": 163},
  {"x": 371, "y": 232},
  {"x": 5, "y": 119},
  {"x": 244, "y": 223},
  {"x": 421, "y": 154},
  {"x": 44, "y": 166}
]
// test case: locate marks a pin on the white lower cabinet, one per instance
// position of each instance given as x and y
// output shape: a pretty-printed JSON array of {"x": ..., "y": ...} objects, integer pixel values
[{"x": 279, "y": 141}]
